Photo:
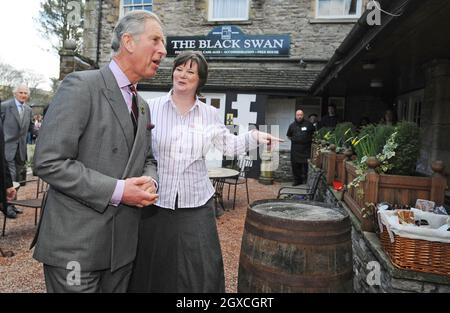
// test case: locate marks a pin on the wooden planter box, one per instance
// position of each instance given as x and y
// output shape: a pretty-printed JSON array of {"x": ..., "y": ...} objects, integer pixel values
[
  {"x": 396, "y": 189},
  {"x": 333, "y": 165}
]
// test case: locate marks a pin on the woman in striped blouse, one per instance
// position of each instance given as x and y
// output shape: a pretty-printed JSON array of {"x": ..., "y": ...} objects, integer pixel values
[{"x": 179, "y": 249}]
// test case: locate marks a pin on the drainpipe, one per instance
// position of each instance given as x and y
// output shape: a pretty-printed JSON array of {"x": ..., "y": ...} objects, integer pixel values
[{"x": 99, "y": 31}]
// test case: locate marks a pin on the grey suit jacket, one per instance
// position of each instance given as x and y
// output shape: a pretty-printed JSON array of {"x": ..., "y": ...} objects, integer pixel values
[
  {"x": 84, "y": 145},
  {"x": 15, "y": 129}
]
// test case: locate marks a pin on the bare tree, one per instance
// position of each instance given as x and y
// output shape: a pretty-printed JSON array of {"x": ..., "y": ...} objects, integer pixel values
[
  {"x": 62, "y": 19},
  {"x": 32, "y": 80},
  {"x": 9, "y": 77}
]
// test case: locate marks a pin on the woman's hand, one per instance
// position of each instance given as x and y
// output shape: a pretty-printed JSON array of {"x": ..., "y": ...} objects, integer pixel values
[{"x": 265, "y": 138}]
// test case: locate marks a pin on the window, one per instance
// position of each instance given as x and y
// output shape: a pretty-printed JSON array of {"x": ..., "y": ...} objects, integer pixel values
[
  {"x": 338, "y": 8},
  {"x": 228, "y": 10},
  {"x": 409, "y": 107},
  {"x": 130, "y": 5}
]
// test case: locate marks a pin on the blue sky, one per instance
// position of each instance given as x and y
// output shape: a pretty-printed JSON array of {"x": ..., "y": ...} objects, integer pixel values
[{"x": 21, "y": 43}]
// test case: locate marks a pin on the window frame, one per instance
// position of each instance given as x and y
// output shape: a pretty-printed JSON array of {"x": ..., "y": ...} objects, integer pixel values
[
  {"x": 359, "y": 11},
  {"x": 211, "y": 9},
  {"x": 123, "y": 6}
]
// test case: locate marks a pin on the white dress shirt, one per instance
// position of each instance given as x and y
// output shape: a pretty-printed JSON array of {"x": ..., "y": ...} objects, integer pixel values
[{"x": 180, "y": 144}]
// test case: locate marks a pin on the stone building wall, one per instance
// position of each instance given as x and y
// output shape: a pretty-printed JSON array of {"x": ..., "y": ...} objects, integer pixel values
[
  {"x": 110, "y": 11},
  {"x": 310, "y": 38}
]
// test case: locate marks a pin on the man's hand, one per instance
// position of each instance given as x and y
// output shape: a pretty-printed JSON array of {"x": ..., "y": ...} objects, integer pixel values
[
  {"x": 149, "y": 186},
  {"x": 135, "y": 193},
  {"x": 11, "y": 193}
]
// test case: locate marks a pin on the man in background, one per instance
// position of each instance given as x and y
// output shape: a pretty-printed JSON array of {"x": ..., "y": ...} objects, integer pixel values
[
  {"x": 331, "y": 119},
  {"x": 7, "y": 191},
  {"x": 16, "y": 125},
  {"x": 314, "y": 119},
  {"x": 300, "y": 132}
]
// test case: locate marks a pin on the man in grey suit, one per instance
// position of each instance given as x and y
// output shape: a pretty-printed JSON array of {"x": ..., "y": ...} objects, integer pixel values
[
  {"x": 16, "y": 124},
  {"x": 94, "y": 150}
]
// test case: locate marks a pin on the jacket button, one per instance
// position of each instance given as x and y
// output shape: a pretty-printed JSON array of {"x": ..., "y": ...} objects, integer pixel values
[{"x": 114, "y": 150}]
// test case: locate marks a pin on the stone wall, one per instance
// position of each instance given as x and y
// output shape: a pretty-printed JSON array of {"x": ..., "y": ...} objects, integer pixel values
[
  {"x": 70, "y": 62},
  {"x": 110, "y": 11},
  {"x": 284, "y": 171},
  {"x": 310, "y": 38},
  {"x": 435, "y": 117}
]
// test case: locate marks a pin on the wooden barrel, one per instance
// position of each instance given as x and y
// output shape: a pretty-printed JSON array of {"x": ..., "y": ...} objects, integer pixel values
[{"x": 292, "y": 246}]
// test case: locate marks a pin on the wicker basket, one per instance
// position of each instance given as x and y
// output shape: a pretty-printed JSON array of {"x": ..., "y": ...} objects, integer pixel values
[{"x": 417, "y": 255}]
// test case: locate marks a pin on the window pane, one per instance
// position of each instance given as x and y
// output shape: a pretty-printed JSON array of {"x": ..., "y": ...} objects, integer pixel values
[
  {"x": 130, "y": 5},
  {"x": 229, "y": 9},
  {"x": 338, "y": 7},
  {"x": 352, "y": 7}
]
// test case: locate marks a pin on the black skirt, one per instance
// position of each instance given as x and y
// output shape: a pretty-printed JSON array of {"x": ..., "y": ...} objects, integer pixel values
[{"x": 178, "y": 251}]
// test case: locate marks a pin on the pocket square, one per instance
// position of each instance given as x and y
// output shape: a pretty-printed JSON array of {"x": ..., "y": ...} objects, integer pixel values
[{"x": 150, "y": 126}]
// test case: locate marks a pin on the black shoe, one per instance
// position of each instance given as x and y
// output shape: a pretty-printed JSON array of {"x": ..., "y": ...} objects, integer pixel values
[
  {"x": 17, "y": 210},
  {"x": 10, "y": 213}
]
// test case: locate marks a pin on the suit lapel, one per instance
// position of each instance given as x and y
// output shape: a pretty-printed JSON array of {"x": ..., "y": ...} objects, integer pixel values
[
  {"x": 24, "y": 120},
  {"x": 115, "y": 98},
  {"x": 13, "y": 109}
]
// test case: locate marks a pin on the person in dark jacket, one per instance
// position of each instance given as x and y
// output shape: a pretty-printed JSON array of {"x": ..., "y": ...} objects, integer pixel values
[
  {"x": 300, "y": 132},
  {"x": 7, "y": 191},
  {"x": 331, "y": 119}
]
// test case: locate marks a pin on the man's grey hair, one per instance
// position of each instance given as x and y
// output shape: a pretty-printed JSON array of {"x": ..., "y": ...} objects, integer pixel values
[
  {"x": 18, "y": 86},
  {"x": 132, "y": 23}
]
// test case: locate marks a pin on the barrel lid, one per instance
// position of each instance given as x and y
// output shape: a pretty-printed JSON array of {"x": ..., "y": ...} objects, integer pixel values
[{"x": 298, "y": 211}]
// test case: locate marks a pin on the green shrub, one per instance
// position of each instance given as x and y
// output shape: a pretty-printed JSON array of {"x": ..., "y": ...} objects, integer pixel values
[{"x": 408, "y": 149}]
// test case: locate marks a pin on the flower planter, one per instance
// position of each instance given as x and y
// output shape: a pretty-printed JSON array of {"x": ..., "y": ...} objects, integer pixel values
[
  {"x": 398, "y": 189},
  {"x": 333, "y": 165}
]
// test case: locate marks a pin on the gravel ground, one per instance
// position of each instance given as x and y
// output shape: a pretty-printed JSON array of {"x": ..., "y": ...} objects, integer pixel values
[{"x": 22, "y": 273}]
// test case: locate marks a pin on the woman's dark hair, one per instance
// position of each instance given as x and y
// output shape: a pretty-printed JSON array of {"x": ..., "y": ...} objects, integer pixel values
[{"x": 199, "y": 59}]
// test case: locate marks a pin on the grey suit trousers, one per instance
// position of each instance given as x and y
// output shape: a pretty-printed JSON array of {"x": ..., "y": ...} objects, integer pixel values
[{"x": 61, "y": 280}]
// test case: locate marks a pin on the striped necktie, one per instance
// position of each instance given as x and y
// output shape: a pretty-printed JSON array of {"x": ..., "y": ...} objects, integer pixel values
[{"x": 134, "y": 109}]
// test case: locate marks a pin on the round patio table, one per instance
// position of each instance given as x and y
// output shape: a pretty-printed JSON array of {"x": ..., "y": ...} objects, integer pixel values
[
  {"x": 222, "y": 173},
  {"x": 218, "y": 176}
]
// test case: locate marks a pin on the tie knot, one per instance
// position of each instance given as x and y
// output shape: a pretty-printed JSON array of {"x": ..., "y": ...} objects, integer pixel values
[{"x": 132, "y": 89}]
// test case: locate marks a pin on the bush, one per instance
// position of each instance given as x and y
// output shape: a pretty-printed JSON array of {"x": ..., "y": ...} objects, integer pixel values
[{"x": 408, "y": 149}]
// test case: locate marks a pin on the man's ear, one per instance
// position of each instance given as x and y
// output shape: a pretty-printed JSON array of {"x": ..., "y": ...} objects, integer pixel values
[{"x": 128, "y": 42}]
